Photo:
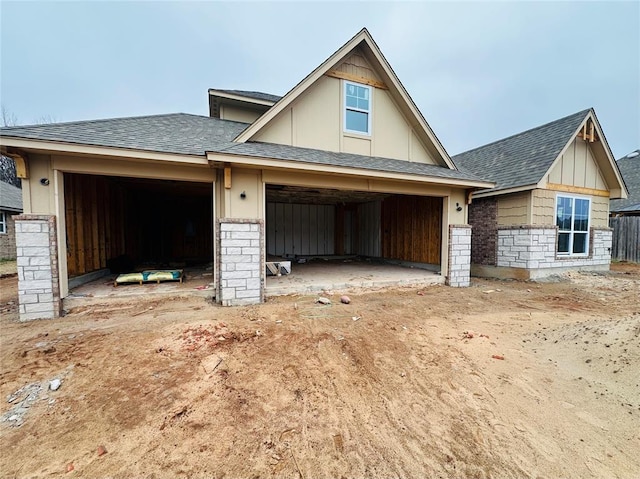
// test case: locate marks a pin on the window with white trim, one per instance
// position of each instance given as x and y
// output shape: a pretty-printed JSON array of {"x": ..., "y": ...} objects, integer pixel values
[
  {"x": 3, "y": 222},
  {"x": 357, "y": 108},
  {"x": 573, "y": 218}
]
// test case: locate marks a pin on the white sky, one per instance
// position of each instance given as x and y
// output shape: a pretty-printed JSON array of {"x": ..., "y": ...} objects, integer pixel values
[{"x": 478, "y": 71}]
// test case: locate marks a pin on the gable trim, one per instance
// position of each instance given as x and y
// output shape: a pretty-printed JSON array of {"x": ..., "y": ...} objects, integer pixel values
[
  {"x": 590, "y": 136},
  {"x": 577, "y": 189},
  {"x": 361, "y": 37}
]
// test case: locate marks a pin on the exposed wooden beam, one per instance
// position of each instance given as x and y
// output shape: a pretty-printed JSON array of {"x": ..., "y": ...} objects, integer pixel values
[
  {"x": 357, "y": 79},
  {"x": 577, "y": 189},
  {"x": 20, "y": 159},
  {"x": 227, "y": 177}
]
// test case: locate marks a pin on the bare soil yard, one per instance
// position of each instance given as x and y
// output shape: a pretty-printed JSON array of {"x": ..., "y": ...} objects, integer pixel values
[{"x": 183, "y": 388}]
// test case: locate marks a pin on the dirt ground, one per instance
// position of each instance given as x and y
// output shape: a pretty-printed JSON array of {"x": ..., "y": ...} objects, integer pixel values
[{"x": 502, "y": 379}]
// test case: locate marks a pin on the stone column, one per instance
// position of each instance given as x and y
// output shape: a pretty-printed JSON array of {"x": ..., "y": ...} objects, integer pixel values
[
  {"x": 459, "y": 275},
  {"x": 37, "y": 260},
  {"x": 240, "y": 262}
]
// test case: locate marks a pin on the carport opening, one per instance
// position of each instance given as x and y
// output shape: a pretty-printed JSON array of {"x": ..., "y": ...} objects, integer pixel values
[
  {"x": 349, "y": 230},
  {"x": 118, "y": 225}
]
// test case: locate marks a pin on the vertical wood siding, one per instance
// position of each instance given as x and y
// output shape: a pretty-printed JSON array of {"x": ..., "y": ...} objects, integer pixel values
[
  {"x": 369, "y": 226},
  {"x": 412, "y": 228},
  {"x": 300, "y": 229},
  {"x": 94, "y": 222}
]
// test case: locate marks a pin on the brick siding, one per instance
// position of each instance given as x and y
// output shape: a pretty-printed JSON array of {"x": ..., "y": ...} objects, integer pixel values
[{"x": 483, "y": 217}]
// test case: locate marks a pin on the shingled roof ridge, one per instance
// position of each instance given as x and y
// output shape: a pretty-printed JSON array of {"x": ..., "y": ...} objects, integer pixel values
[{"x": 580, "y": 113}]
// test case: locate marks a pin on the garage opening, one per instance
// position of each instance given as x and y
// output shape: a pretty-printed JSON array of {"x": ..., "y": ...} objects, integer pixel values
[
  {"x": 352, "y": 238},
  {"x": 119, "y": 225}
]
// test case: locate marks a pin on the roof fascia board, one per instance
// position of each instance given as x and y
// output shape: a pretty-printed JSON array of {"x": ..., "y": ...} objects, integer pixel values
[
  {"x": 330, "y": 169},
  {"x": 81, "y": 149},
  {"x": 362, "y": 36},
  {"x": 241, "y": 98},
  {"x": 519, "y": 189}
]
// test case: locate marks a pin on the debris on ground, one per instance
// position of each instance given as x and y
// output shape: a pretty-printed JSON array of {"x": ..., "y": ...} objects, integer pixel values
[
  {"x": 498, "y": 356},
  {"x": 55, "y": 384},
  {"x": 345, "y": 299},
  {"x": 102, "y": 451},
  {"x": 323, "y": 300}
]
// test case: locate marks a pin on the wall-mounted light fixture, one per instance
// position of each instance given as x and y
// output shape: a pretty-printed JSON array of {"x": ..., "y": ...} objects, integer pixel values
[
  {"x": 243, "y": 195},
  {"x": 44, "y": 181},
  {"x": 458, "y": 207}
]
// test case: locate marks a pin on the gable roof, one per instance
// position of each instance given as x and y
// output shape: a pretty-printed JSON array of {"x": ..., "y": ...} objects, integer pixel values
[
  {"x": 629, "y": 166},
  {"x": 522, "y": 159},
  {"x": 363, "y": 40},
  {"x": 186, "y": 134},
  {"x": 10, "y": 198}
]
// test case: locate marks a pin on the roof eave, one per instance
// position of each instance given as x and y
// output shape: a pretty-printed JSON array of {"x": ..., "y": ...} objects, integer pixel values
[
  {"x": 246, "y": 99},
  {"x": 268, "y": 162},
  {"x": 52, "y": 146}
]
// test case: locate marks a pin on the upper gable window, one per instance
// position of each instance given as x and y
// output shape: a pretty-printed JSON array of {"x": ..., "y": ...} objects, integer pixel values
[{"x": 357, "y": 108}]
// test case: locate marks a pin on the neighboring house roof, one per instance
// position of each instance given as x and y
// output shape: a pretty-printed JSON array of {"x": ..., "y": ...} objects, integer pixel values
[
  {"x": 522, "y": 159},
  {"x": 255, "y": 95},
  {"x": 629, "y": 166},
  {"x": 10, "y": 198},
  {"x": 187, "y": 134}
]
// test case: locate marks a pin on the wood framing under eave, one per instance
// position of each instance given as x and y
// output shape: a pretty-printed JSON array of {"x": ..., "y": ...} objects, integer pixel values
[
  {"x": 272, "y": 163},
  {"x": 592, "y": 132},
  {"x": 392, "y": 82},
  {"x": 20, "y": 160},
  {"x": 50, "y": 147}
]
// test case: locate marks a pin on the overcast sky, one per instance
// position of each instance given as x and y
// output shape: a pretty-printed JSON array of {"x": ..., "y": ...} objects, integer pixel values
[{"x": 478, "y": 71}]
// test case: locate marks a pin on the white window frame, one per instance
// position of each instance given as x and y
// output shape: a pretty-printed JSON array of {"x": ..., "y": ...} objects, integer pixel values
[
  {"x": 572, "y": 231},
  {"x": 3, "y": 222},
  {"x": 369, "y": 112}
]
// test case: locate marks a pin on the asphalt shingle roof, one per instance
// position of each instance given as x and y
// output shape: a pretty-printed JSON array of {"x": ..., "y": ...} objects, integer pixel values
[
  {"x": 182, "y": 133},
  {"x": 178, "y": 133},
  {"x": 322, "y": 157},
  {"x": 629, "y": 167},
  {"x": 258, "y": 95},
  {"x": 521, "y": 159},
  {"x": 10, "y": 197}
]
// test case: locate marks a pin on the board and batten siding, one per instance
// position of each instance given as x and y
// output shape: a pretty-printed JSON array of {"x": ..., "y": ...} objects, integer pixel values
[
  {"x": 513, "y": 209},
  {"x": 370, "y": 229},
  {"x": 577, "y": 167},
  {"x": 315, "y": 120},
  {"x": 300, "y": 229},
  {"x": 544, "y": 208}
]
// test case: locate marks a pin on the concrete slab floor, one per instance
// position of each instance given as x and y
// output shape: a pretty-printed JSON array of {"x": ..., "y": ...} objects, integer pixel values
[
  {"x": 312, "y": 277},
  {"x": 197, "y": 281},
  {"x": 319, "y": 276}
]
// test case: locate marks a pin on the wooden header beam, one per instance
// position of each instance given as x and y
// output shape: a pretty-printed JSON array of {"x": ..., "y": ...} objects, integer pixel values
[
  {"x": 577, "y": 189},
  {"x": 357, "y": 79}
]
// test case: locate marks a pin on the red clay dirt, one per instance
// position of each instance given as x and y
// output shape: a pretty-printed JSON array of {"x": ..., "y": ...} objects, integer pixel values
[{"x": 180, "y": 387}]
